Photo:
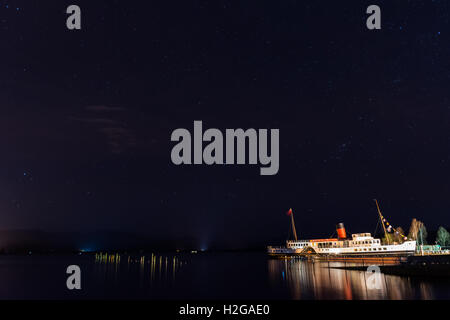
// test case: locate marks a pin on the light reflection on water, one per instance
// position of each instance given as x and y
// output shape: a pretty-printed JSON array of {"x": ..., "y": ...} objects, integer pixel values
[
  {"x": 323, "y": 280},
  {"x": 150, "y": 269},
  {"x": 180, "y": 276}
]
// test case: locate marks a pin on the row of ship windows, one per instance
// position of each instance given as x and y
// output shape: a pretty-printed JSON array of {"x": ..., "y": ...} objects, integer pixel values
[
  {"x": 328, "y": 244},
  {"x": 367, "y": 249},
  {"x": 366, "y": 242},
  {"x": 370, "y": 249},
  {"x": 334, "y": 243}
]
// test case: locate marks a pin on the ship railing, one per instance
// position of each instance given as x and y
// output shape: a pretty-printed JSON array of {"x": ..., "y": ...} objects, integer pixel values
[{"x": 432, "y": 252}]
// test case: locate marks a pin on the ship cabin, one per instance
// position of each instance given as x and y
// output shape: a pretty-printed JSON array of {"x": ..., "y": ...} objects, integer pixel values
[
  {"x": 363, "y": 240},
  {"x": 357, "y": 240},
  {"x": 297, "y": 244}
]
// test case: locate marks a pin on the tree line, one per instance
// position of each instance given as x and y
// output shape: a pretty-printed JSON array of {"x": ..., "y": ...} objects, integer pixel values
[{"x": 418, "y": 232}]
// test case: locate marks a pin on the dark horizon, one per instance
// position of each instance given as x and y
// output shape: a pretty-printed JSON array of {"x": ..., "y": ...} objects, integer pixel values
[
  {"x": 86, "y": 117},
  {"x": 41, "y": 241}
]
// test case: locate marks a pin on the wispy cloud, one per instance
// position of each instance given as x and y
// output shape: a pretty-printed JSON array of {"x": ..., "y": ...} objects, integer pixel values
[
  {"x": 119, "y": 139},
  {"x": 104, "y": 121},
  {"x": 101, "y": 108},
  {"x": 118, "y": 136}
]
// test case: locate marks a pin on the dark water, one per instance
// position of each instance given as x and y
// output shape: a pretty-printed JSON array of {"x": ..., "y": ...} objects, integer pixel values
[{"x": 201, "y": 276}]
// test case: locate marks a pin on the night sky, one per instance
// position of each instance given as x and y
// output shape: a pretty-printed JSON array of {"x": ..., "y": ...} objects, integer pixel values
[{"x": 86, "y": 116}]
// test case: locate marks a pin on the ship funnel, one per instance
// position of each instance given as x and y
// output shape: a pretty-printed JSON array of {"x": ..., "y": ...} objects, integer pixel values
[{"x": 341, "y": 231}]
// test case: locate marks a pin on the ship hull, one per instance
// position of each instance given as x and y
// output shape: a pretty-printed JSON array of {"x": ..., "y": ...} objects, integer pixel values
[
  {"x": 360, "y": 247},
  {"x": 339, "y": 256}
]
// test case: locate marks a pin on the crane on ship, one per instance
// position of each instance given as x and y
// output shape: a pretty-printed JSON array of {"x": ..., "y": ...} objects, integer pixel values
[
  {"x": 381, "y": 220},
  {"x": 291, "y": 214}
]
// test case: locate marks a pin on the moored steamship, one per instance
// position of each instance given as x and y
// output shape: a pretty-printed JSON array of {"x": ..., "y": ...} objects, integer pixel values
[{"x": 359, "y": 245}]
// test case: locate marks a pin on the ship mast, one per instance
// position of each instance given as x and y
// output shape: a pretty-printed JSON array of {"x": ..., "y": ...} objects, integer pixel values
[
  {"x": 381, "y": 219},
  {"x": 291, "y": 213}
]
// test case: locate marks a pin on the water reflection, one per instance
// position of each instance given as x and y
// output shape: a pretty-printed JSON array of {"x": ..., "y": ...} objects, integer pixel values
[
  {"x": 148, "y": 269},
  {"x": 325, "y": 280}
]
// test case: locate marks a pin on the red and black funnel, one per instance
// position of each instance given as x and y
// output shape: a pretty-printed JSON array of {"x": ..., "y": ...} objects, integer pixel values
[{"x": 341, "y": 231}]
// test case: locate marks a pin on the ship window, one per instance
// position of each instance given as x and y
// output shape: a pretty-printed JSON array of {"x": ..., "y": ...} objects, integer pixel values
[{"x": 384, "y": 248}]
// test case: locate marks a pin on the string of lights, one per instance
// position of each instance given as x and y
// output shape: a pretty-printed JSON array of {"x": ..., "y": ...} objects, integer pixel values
[{"x": 390, "y": 228}]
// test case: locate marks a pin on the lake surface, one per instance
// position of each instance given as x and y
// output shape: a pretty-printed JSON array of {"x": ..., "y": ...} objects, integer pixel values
[{"x": 201, "y": 276}]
